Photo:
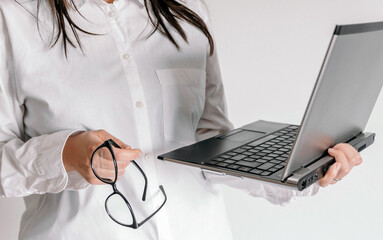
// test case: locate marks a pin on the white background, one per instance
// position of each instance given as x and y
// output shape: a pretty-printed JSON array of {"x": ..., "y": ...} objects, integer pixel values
[{"x": 270, "y": 53}]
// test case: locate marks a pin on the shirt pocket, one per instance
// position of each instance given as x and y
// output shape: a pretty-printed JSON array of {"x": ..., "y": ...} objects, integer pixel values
[{"x": 183, "y": 96}]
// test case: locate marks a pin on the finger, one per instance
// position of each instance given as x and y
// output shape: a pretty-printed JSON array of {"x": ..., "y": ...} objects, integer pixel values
[
  {"x": 103, "y": 154},
  {"x": 342, "y": 159},
  {"x": 330, "y": 175},
  {"x": 108, "y": 164},
  {"x": 351, "y": 153},
  {"x": 127, "y": 154},
  {"x": 107, "y": 173},
  {"x": 103, "y": 158},
  {"x": 104, "y": 135}
]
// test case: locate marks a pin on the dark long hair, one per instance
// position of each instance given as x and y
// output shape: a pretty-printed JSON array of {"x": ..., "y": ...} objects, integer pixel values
[{"x": 159, "y": 12}]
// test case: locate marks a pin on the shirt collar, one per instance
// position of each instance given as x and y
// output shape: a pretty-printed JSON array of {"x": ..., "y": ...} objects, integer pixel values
[{"x": 80, "y": 3}]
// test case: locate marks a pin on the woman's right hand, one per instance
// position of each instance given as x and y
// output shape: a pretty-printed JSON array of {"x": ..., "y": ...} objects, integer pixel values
[{"x": 79, "y": 148}]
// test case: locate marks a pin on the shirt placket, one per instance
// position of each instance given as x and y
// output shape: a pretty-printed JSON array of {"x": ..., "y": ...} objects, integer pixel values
[{"x": 140, "y": 115}]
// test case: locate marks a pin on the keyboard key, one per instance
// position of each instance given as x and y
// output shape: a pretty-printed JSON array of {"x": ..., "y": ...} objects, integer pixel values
[
  {"x": 267, "y": 151},
  {"x": 219, "y": 159},
  {"x": 229, "y": 161},
  {"x": 222, "y": 164},
  {"x": 273, "y": 169},
  {"x": 233, "y": 166},
  {"x": 247, "y": 153},
  {"x": 267, "y": 158},
  {"x": 255, "y": 156},
  {"x": 224, "y": 156},
  {"x": 264, "y": 145},
  {"x": 253, "y": 150},
  {"x": 266, "y": 173},
  {"x": 278, "y": 152},
  {"x": 266, "y": 166},
  {"x": 231, "y": 153},
  {"x": 275, "y": 161},
  {"x": 248, "y": 164},
  {"x": 281, "y": 158},
  {"x": 256, "y": 171},
  {"x": 212, "y": 162},
  {"x": 261, "y": 161},
  {"x": 272, "y": 155},
  {"x": 261, "y": 154},
  {"x": 239, "y": 150},
  {"x": 284, "y": 150},
  {"x": 238, "y": 157},
  {"x": 272, "y": 148},
  {"x": 248, "y": 159},
  {"x": 246, "y": 147},
  {"x": 244, "y": 169}
]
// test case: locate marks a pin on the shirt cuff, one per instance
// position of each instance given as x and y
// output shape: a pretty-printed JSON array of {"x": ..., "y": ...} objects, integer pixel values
[
  {"x": 49, "y": 161},
  {"x": 273, "y": 193}
]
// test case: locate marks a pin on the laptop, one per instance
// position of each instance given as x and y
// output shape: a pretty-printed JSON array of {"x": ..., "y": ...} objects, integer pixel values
[{"x": 341, "y": 103}]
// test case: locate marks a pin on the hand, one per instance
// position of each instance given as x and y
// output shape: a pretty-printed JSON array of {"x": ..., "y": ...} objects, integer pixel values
[
  {"x": 78, "y": 150},
  {"x": 346, "y": 158}
]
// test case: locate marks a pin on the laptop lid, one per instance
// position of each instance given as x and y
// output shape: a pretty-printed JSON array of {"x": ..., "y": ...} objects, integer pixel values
[{"x": 344, "y": 95}]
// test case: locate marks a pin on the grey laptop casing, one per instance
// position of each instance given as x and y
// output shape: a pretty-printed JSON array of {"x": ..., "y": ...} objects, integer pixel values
[{"x": 344, "y": 95}]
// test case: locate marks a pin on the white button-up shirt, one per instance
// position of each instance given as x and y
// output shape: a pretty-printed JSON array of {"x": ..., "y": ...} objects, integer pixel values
[{"x": 143, "y": 91}]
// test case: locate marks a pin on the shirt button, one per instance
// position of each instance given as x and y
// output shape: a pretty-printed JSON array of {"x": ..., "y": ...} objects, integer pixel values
[
  {"x": 139, "y": 104},
  {"x": 111, "y": 14},
  {"x": 148, "y": 157},
  {"x": 126, "y": 56}
]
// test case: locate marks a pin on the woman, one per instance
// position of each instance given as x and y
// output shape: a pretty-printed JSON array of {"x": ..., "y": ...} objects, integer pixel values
[{"x": 146, "y": 72}]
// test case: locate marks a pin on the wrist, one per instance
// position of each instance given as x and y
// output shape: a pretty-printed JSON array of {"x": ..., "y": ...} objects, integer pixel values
[{"x": 69, "y": 152}]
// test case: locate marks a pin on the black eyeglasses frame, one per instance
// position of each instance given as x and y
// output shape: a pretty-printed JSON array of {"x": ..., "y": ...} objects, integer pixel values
[{"x": 109, "y": 144}]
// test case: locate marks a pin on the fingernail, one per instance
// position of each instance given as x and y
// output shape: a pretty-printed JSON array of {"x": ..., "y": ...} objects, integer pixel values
[
  {"x": 127, "y": 147},
  {"x": 331, "y": 150},
  {"x": 139, "y": 153}
]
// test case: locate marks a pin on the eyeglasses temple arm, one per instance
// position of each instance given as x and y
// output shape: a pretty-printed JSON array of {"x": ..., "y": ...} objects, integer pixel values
[
  {"x": 145, "y": 178},
  {"x": 166, "y": 198}
]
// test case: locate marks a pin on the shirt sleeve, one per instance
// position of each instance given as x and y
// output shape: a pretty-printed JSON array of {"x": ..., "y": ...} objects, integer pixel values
[
  {"x": 26, "y": 167},
  {"x": 215, "y": 120}
]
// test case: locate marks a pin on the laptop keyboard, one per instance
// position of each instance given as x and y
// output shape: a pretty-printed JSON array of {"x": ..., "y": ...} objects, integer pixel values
[{"x": 262, "y": 157}]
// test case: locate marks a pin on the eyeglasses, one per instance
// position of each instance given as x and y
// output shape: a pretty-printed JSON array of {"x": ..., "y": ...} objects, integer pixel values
[{"x": 105, "y": 168}]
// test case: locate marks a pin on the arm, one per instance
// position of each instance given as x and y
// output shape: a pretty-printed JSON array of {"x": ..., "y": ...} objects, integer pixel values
[
  {"x": 48, "y": 163},
  {"x": 26, "y": 167}
]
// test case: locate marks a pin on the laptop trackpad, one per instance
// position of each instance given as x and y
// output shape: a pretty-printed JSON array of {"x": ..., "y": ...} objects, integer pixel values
[{"x": 244, "y": 136}]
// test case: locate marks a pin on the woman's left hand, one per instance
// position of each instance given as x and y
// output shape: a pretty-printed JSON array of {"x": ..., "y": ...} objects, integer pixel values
[{"x": 346, "y": 158}]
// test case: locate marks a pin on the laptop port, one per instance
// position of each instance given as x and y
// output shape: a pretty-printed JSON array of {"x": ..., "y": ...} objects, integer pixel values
[{"x": 303, "y": 183}]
